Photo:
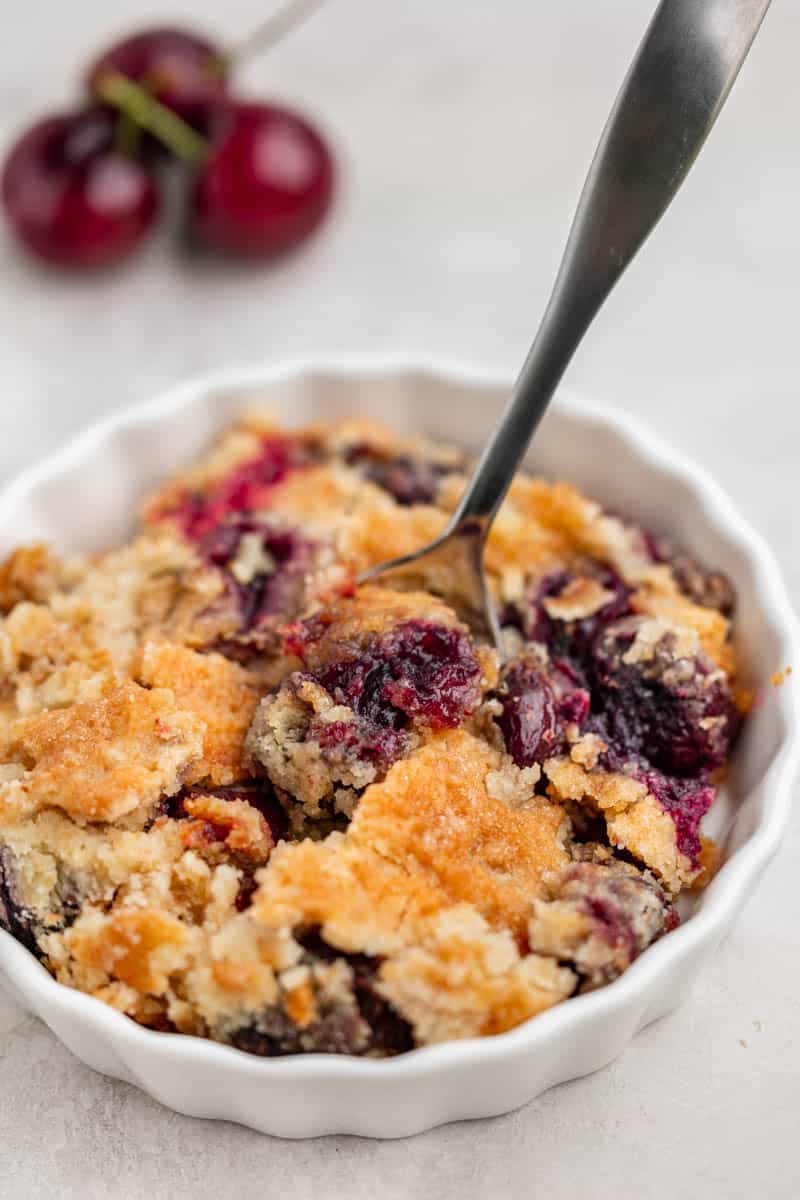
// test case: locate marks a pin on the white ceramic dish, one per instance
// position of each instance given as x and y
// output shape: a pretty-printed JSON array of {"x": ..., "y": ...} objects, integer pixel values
[{"x": 83, "y": 498}]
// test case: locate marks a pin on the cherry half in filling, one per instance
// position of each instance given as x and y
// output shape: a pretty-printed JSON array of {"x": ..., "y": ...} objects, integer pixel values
[
  {"x": 538, "y": 705},
  {"x": 341, "y": 741},
  {"x": 529, "y": 720},
  {"x": 244, "y": 489},
  {"x": 627, "y": 913}
]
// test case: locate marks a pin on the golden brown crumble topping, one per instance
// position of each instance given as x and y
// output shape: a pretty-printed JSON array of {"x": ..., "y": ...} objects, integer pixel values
[{"x": 244, "y": 799}]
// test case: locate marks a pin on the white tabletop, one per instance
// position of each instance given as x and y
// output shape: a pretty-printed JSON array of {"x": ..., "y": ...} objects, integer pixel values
[{"x": 464, "y": 130}]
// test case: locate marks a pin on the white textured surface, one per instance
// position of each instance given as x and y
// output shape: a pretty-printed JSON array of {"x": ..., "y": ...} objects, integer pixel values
[{"x": 465, "y": 130}]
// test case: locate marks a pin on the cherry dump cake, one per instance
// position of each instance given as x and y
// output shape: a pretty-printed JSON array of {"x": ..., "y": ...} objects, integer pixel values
[{"x": 243, "y": 798}]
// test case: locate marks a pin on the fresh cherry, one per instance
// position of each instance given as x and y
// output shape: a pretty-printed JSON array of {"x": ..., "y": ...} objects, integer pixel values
[
  {"x": 70, "y": 197},
  {"x": 266, "y": 183},
  {"x": 182, "y": 70}
]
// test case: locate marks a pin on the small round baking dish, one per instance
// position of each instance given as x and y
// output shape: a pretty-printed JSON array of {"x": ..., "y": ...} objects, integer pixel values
[{"x": 83, "y": 498}]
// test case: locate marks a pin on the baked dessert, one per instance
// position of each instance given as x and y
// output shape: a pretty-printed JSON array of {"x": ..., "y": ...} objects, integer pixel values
[{"x": 243, "y": 798}]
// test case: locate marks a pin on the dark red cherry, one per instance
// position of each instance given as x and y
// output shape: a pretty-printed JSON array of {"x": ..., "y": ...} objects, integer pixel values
[
  {"x": 70, "y": 197},
  {"x": 529, "y": 720},
  {"x": 266, "y": 184},
  {"x": 181, "y": 69}
]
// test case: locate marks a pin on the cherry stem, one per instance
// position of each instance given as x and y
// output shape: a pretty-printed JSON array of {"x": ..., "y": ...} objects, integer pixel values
[
  {"x": 127, "y": 135},
  {"x": 288, "y": 17},
  {"x": 136, "y": 104}
]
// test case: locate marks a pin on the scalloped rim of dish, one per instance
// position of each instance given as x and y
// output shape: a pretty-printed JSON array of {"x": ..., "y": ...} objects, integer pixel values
[{"x": 33, "y": 985}]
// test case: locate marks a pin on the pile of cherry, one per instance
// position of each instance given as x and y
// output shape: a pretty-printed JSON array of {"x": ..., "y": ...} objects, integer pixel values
[{"x": 82, "y": 189}]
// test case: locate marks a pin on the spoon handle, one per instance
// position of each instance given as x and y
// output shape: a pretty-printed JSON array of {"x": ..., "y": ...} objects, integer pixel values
[{"x": 674, "y": 90}]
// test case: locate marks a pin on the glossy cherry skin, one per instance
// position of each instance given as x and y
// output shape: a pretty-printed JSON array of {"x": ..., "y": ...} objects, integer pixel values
[
  {"x": 70, "y": 197},
  {"x": 180, "y": 68},
  {"x": 266, "y": 184}
]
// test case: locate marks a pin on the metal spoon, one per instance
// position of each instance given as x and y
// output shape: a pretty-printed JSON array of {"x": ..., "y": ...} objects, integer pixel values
[{"x": 674, "y": 90}]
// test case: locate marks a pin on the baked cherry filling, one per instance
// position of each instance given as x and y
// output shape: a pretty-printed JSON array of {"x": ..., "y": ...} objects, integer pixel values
[
  {"x": 666, "y": 714},
  {"x": 611, "y": 916},
  {"x": 687, "y": 801},
  {"x": 335, "y": 727},
  {"x": 361, "y": 1023},
  {"x": 20, "y": 921},
  {"x": 571, "y": 640},
  {"x": 15, "y": 918},
  {"x": 711, "y": 589},
  {"x": 266, "y": 567},
  {"x": 345, "y": 740},
  {"x": 243, "y": 489},
  {"x": 409, "y": 480},
  {"x": 259, "y": 794},
  {"x": 418, "y": 671},
  {"x": 672, "y": 711},
  {"x": 626, "y": 913}
]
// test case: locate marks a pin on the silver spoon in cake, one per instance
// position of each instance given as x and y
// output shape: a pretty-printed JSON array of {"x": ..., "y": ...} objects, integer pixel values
[{"x": 671, "y": 97}]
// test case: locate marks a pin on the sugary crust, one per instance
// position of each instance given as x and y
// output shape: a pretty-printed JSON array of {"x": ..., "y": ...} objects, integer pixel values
[
  {"x": 138, "y": 947},
  {"x": 93, "y": 622},
  {"x": 443, "y": 968},
  {"x": 108, "y": 756},
  {"x": 219, "y": 692},
  {"x": 434, "y": 813},
  {"x": 369, "y": 527},
  {"x": 244, "y": 799},
  {"x": 467, "y": 983}
]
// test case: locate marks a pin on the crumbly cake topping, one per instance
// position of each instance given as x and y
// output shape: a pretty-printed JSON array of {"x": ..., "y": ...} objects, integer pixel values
[
  {"x": 114, "y": 753},
  {"x": 243, "y": 798},
  {"x": 220, "y": 692}
]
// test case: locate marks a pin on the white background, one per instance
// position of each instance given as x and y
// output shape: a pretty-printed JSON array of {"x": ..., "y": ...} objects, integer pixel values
[{"x": 463, "y": 129}]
